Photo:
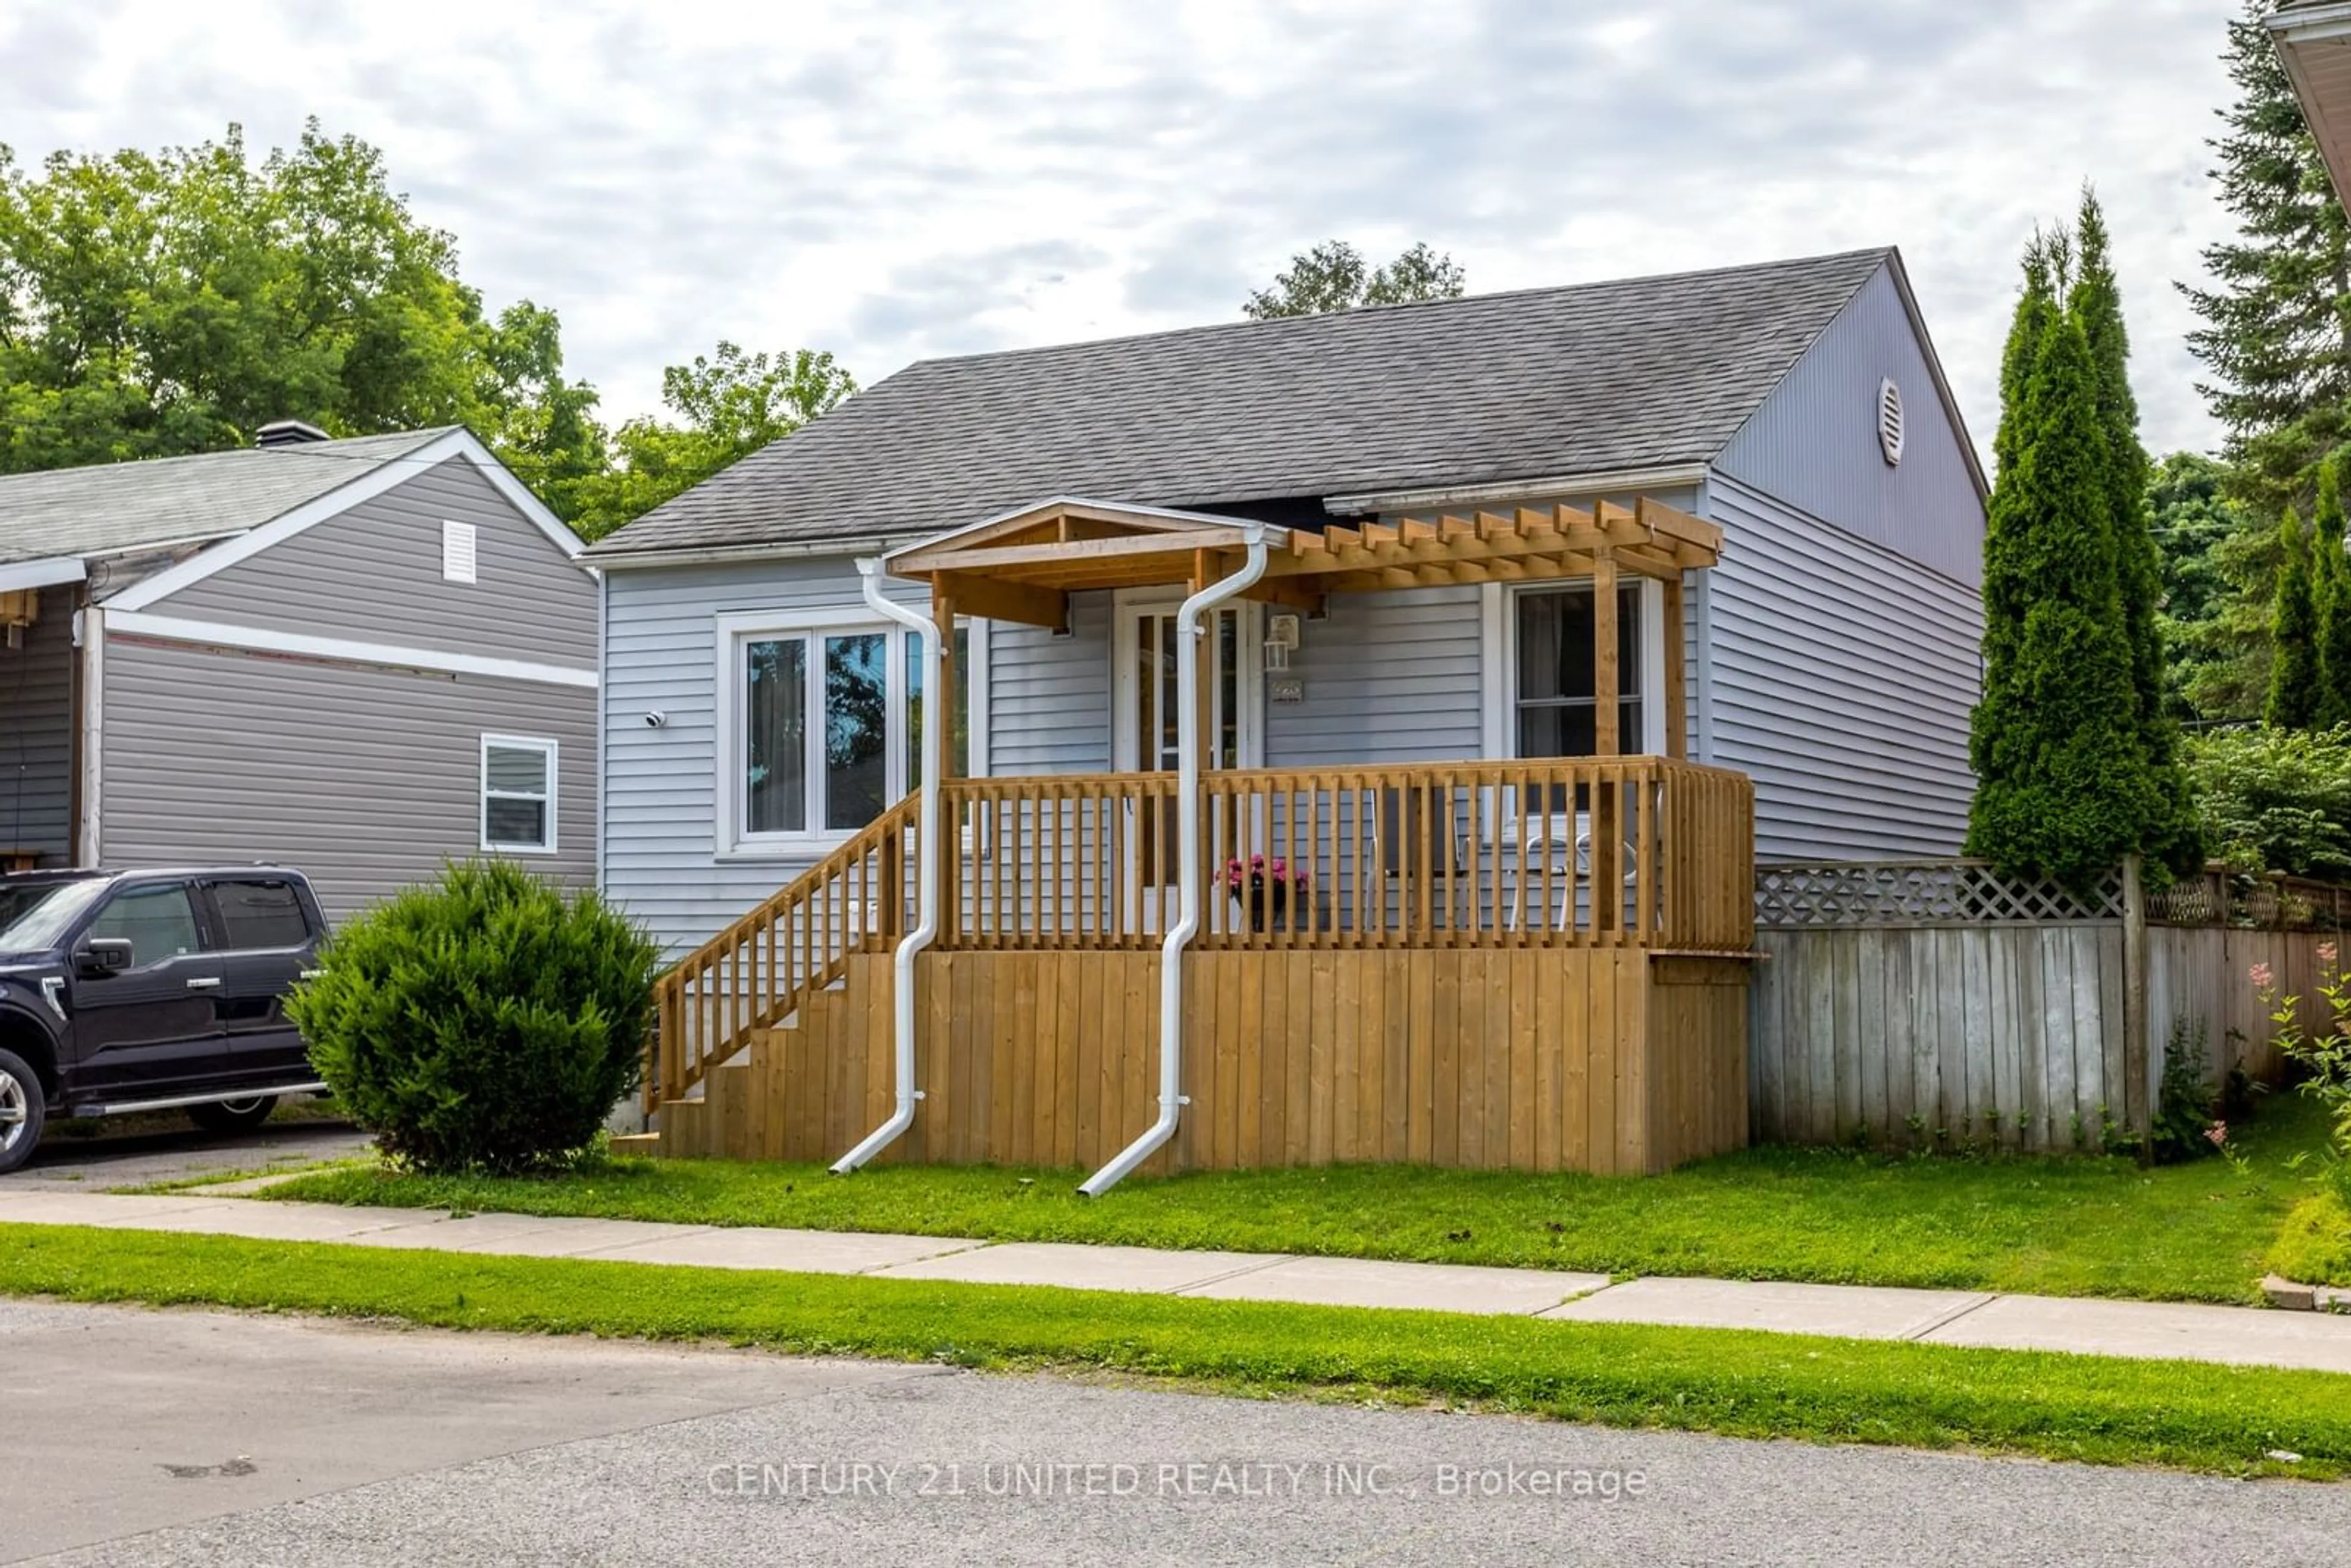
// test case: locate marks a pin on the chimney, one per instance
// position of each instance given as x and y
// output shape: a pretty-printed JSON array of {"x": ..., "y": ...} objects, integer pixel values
[{"x": 287, "y": 432}]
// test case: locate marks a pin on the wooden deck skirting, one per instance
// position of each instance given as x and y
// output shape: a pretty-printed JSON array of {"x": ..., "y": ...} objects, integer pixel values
[
  {"x": 1531, "y": 1059},
  {"x": 1453, "y": 984}
]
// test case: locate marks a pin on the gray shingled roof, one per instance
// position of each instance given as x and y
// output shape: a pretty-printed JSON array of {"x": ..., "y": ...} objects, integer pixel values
[
  {"x": 115, "y": 507},
  {"x": 1541, "y": 384}
]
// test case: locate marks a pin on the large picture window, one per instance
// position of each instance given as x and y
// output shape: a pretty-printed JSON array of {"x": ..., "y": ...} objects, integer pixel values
[{"x": 828, "y": 727}]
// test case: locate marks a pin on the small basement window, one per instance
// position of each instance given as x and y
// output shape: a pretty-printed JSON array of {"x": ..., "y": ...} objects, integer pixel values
[
  {"x": 457, "y": 552},
  {"x": 518, "y": 795}
]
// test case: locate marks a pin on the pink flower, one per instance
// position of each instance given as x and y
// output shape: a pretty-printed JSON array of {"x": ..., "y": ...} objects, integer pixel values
[
  {"x": 2326, "y": 954},
  {"x": 2262, "y": 978},
  {"x": 2219, "y": 1133}
]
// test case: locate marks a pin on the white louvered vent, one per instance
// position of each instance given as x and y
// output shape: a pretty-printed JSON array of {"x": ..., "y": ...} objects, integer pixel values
[
  {"x": 1889, "y": 422},
  {"x": 457, "y": 552}
]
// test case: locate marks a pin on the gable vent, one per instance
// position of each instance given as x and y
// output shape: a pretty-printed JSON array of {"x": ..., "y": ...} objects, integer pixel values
[
  {"x": 456, "y": 552},
  {"x": 1889, "y": 422}
]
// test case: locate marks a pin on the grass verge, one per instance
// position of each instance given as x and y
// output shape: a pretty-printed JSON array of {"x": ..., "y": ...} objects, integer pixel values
[
  {"x": 2215, "y": 1418},
  {"x": 2075, "y": 1226}
]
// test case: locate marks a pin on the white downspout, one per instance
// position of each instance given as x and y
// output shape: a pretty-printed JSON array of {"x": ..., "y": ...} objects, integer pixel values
[
  {"x": 1189, "y": 628},
  {"x": 936, "y": 722}
]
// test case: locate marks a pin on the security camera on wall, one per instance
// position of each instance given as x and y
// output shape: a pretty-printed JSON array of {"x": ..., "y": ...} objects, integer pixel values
[{"x": 656, "y": 719}]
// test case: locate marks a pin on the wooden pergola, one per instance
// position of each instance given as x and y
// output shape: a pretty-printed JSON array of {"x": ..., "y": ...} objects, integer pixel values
[{"x": 1024, "y": 566}]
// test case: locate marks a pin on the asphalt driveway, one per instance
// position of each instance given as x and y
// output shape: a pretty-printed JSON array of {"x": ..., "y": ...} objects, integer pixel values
[
  {"x": 142, "y": 1438},
  {"x": 165, "y": 1147}
]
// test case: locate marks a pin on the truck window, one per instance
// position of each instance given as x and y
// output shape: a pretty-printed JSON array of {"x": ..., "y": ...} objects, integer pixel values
[
  {"x": 159, "y": 922},
  {"x": 257, "y": 914}
]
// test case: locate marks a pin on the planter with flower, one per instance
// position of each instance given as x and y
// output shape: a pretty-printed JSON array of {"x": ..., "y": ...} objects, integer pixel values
[{"x": 1267, "y": 890}]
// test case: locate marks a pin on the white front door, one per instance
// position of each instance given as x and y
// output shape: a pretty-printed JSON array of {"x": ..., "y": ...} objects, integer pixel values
[
  {"x": 1148, "y": 701},
  {"x": 1148, "y": 697}
]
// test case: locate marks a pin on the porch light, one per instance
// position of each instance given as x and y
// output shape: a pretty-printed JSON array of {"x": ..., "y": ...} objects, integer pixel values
[{"x": 1281, "y": 637}]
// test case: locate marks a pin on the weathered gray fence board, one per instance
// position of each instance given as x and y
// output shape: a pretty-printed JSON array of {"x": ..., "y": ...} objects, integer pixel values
[{"x": 2003, "y": 1033}]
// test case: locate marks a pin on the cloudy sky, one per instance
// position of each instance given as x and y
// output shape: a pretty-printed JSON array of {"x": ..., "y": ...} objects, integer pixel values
[{"x": 935, "y": 176}]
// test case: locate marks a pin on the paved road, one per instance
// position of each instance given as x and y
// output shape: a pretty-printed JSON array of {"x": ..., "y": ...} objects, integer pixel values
[
  {"x": 142, "y": 1437},
  {"x": 176, "y": 1151}
]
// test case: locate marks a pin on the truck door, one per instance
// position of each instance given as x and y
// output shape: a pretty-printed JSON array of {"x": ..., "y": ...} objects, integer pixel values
[
  {"x": 268, "y": 937},
  {"x": 151, "y": 1031}
]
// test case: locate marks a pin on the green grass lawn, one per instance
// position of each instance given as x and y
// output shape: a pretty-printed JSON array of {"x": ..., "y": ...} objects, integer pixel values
[
  {"x": 2221, "y": 1418},
  {"x": 2068, "y": 1226}
]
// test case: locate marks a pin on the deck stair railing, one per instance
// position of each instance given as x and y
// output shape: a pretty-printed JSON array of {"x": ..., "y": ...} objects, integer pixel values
[{"x": 755, "y": 974}]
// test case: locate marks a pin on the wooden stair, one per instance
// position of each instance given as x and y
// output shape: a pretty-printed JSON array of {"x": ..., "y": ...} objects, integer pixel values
[{"x": 753, "y": 1004}]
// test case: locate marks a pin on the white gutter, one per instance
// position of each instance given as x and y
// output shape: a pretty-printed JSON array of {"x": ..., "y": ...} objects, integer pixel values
[
  {"x": 1189, "y": 630},
  {"x": 926, "y": 849},
  {"x": 723, "y": 555},
  {"x": 19, "y": 576}
]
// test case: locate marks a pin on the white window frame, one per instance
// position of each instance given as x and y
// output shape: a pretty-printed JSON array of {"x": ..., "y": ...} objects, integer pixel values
[
  {"x": 545, "y": 747},
  {"x": 738, "y": 628},
  {"x": 1499, "y": 607},
  {"x": 1501, "y": 662}
]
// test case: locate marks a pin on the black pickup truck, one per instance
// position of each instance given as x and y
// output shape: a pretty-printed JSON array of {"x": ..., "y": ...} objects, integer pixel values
[{"x": 151, "y": 991}]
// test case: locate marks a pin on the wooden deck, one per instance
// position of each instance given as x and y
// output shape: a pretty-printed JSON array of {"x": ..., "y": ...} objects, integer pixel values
[{"x": 1534, "y": 965}]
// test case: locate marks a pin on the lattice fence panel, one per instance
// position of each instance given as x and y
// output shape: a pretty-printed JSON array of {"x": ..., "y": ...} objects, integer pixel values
[
  {"x": 2256, "y": 903},
  {"x": 1919, "y": 892}
]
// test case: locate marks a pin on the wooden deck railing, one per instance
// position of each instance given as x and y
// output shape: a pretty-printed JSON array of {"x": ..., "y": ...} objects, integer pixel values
[
  {"x": 1627, "y": 852},
  {"x": 755, "y": 973},
  {"x": 1575, "y": 853}
]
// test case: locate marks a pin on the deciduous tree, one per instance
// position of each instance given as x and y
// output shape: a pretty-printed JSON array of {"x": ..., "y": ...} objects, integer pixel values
[
  {"x": 1333, "y": 276},
  {"x": 153, "y": 305},
  {"x": 729, "y": 404}
]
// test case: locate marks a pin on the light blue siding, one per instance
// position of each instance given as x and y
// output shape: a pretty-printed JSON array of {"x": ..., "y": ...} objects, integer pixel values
[
  {"x": 1840, "y": 677},
  {"x": 1814, "y": 443},
  {"x": 660, "y": 807},
  {"x": 1050, "y": 698},
  {"x": 1388, "y": 677}
]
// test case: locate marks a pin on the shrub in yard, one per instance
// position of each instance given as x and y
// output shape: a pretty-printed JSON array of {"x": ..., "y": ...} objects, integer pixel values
[
  {"x": 2313, "y": 1246},
  {"x": 2275, "y": 799},
  {"x": 2183, "y": 1114},
  {"x": 488, "y": 1021}
]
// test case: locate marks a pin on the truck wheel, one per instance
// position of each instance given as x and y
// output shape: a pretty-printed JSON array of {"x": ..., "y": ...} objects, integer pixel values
[
  {"x": 233, "y": 1116},
  {"x": 24, "y": 1107}
]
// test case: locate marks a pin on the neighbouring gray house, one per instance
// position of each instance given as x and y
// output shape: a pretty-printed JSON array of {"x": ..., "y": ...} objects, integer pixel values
[
  {"x": 356, "y": 657},
  {"x": 755, "y": 712}
]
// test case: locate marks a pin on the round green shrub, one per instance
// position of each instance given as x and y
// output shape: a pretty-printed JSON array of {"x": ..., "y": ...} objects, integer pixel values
[{"x": 486, "y": 1023}]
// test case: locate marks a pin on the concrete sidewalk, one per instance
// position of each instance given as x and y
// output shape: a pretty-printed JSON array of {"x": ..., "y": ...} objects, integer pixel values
[{"x": 2247, "y": 1336}]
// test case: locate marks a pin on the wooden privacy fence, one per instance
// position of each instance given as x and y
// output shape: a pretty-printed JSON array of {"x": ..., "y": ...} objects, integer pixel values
[{"x": 1935, "y": 1004}]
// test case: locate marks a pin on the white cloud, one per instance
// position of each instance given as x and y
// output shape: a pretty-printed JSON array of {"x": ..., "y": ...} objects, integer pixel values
[{"x": 896, "y": 182}]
